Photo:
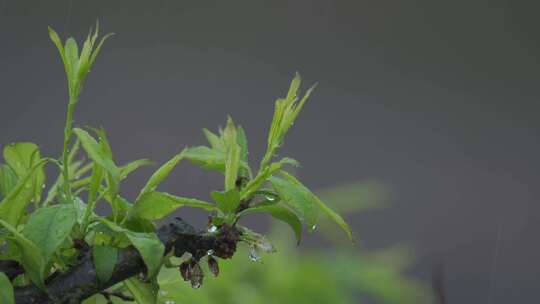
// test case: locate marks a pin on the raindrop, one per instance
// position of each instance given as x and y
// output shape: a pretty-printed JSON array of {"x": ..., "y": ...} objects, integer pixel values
[
  {"x": 254, "y": 255},
  {"x": 210, "y": 252},
  {"x": 196, "y": 284},
  {"x": 43, "y": 186},
  {"x": 313, "y": 227},
  {"x": 212, "y": 229},
  {"x": 270, "y": 198}
]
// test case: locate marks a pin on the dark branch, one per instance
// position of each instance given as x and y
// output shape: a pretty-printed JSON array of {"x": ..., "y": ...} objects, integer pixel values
[
  {"x": 109, "y": 294},
  {"x": 11, "y": 268},
  {"x": 81, "y": 281}
]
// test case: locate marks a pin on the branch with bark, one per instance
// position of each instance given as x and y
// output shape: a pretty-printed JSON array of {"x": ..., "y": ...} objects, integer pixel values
[{"x": 81, "y": 281}]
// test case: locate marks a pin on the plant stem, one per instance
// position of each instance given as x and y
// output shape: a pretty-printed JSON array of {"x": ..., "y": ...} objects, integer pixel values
[{"x": 68, "y": 132}]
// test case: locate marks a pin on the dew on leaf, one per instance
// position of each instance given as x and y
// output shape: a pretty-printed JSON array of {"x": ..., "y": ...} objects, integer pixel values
[{"x": 254, "y": 255}]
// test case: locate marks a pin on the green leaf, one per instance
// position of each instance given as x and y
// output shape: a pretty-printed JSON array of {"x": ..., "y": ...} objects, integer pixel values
[
  {"x": 285, "y": 112},
  {"x": 6, "y": 290},
  {"x": 227, "y": 201},
  {"x": 278, "y": 212},
  {"x": 21, "y": 157},
  {"x": 156, "y": 205},
  {"x": 206, "y": 158},
  {"x": 299, "y": 199},
  {"x": 49, "y": 227},
  {"x": 242, "y": 142},
  {"x": 150, "y": 248},
  {"x": 72, "y": 58},
  {"x": 8, "y": 180},
  {"x": 161, "y": 174},
  {"x": 30, "y": 256},
  {"x": 97, "y": 152},
  {"x": 98, "y": 47},
  {"x": 215, "y": 141},
  {"x": 105, "y": 258},
  {"x": 293, "y": 192},
  {"x": 147, "y": 244},
  {"x": 58, "y": 43},
  {"x": 132, "y": 166},
  {"x": 13, "y": 206},
  {"x": 232, "y": 162},
  {"x": 143, "y": 293},
  {"x": 263, "y": 175}
]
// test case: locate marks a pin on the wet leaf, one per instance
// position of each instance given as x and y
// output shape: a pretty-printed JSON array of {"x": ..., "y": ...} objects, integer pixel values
[
  {"x": 156, "y": 205},
  {"x": 49, "y": 227},
  {"x": 144, "y": 293},
  {"x": 227, "y": 201},
  {"x": 279, "y": 212},
  {"x": 161, "y": 174},
  {"x": 31, "y": 256},
  {"x": 105, "y": 258},
  {"x": 6, "y": 290}
]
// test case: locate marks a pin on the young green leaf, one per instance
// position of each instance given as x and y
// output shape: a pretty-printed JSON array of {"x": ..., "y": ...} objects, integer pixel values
[
  {"x": 21, "y": 157},
  {"x": 232, "y": 150},
  {"x": 285, "y": 112},
  {"x": 132, "y": 166},
  {"x": 150, "y": 248},
  {"x": 30, "y": 255},
  {"x": 8, "y": 180},
  {"x": 299, "y": 199},
  {"x": 278, "y": 212},
  {"x": 244, "y": 153},
  {"x": 6, "y": 290},
  {"x": 207, "y": 158},
  {"x": 147, "y": 244},
  {"x": 161, "y": 174},
  {"x": 49, "y": 227},
  {"x": 215, "y": 141},
  {"x": 72, "y": 57},
  {"x": 143, "y": 293},
  {"x": 105, "y": 258},
  {"x": 263, "y": 175},
  {"x": 58, "y": 43},
  {"x": 156, "y": 205},
  {"x": 292, "y": 191},
  {"x": 227, "y": 201},
  {"x": 13, "y": 206},
  {"x": 96, "y": 152}
]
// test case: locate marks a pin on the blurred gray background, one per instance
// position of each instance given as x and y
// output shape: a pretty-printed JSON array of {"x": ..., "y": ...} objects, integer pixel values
[{"x": 437, "y": 100}]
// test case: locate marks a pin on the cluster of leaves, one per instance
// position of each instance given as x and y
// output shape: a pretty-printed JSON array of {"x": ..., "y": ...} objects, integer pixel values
[
  {"x": 345, "y": 275},
  {"x": 48, "y": 239}
]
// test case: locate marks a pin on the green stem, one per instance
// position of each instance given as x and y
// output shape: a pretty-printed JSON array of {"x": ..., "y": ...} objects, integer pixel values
[{"x": 68, "y": 132}]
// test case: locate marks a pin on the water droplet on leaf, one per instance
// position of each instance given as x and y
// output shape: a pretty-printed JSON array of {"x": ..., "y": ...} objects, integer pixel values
[
  {"x": 212, "y": 229},
  {"x": 254, "y": 255}
]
